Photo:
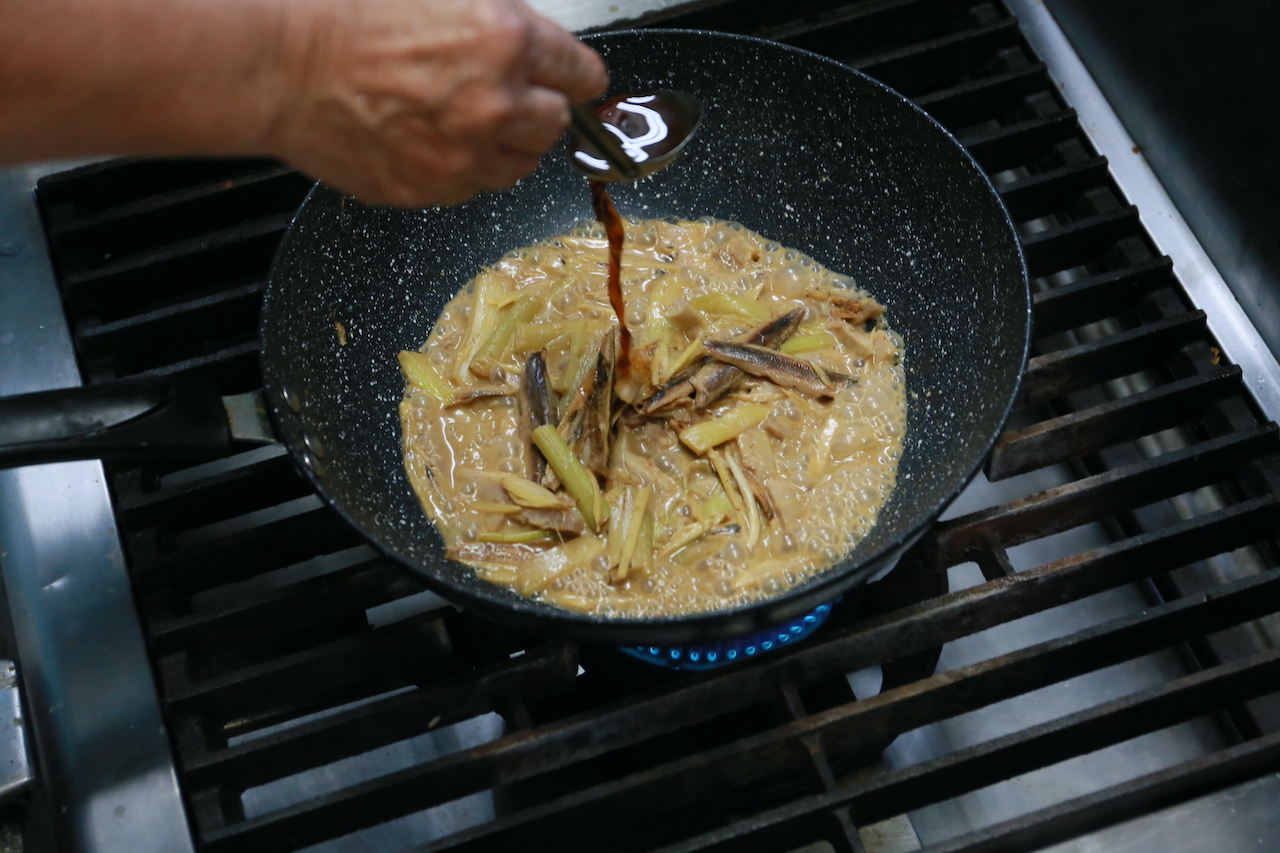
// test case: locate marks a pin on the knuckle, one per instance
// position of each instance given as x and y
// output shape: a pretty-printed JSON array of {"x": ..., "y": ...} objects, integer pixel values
[
  {"x": 507, "y": 33},
  {"x": 483, "y": 113}
]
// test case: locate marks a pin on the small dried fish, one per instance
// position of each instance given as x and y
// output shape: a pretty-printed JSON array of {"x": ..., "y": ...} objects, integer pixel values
[
  {"x": 485, "y": 392},
  {"x": 536, "y": 407},
  {"x": 778, "y": 368},
  {"x": 587, "y": 419},
  {"x": 708, "y": 380}
]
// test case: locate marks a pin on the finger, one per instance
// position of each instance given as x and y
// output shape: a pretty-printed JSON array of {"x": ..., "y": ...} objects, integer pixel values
[
  {"x": 561, "y": 62},
  {"x": 541, "y": 115},
  {"x": 505, "y": 167}
]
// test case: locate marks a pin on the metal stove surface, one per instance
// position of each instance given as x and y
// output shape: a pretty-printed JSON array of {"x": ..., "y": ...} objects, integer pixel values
[
  {"x": 90, "y": 687},
  {"x": 1233, "y": 821}
]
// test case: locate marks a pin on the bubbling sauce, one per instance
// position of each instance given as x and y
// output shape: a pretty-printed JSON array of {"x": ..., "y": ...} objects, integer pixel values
[{"x": 710, "y": 504}]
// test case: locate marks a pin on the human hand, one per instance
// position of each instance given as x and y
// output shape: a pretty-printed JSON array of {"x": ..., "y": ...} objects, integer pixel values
[{"x": 422, "y": 102}]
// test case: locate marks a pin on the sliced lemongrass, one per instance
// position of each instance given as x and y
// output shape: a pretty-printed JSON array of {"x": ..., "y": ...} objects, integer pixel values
[
  {"x": 578, "y": 481},
  {"x": 705, "y": 435},
  {"x": 717, "y": 506},
  {"x": 495, "y": 346},
  {"x": 479, "y": 322},
  {"x": 639, "y": 505},
  {"x": 685, "y": 536},
  {"x": 748, "y": 498},
  {"x": 529, "y": 494},
  {"x": 419, "y": 371},
  {"x": 807, "y": 341},
  {"x": 517, "y": 537},
  {"x": 736, "y": 306},
  {"x": 691, "y": 354}
]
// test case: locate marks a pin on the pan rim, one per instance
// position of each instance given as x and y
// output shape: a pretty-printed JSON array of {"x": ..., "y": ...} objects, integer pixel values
[{"x": 623, "y": 630}]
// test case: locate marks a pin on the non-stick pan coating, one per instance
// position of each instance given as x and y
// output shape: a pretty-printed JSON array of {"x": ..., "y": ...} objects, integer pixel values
[{"x": 795, "y": 147}]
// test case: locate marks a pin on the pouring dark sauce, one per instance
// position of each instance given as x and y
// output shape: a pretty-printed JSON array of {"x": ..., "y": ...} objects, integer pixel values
[
  {"x": 649, "y": 128},
  {"x": 608, "y": 216}
]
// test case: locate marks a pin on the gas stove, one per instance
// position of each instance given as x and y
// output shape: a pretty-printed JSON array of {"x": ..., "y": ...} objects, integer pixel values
[{"x": 1081, "y": 654}]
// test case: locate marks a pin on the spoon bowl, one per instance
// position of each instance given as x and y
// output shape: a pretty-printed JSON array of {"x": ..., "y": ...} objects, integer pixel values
[{"x": 630, "y": 137}]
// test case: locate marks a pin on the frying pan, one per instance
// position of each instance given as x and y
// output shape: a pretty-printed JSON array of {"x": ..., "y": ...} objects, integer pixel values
[{"x": 801, "y": 149}]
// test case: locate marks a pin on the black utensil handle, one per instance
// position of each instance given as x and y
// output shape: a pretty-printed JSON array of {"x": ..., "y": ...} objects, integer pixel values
[{"x": 134, "y": 418}]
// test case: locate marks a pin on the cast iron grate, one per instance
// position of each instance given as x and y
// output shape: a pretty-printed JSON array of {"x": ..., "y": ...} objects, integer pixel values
[{"x": 261, "y": 608}]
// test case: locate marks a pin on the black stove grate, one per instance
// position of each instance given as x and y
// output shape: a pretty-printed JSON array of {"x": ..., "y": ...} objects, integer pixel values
[{"x": 261, "y": 608}]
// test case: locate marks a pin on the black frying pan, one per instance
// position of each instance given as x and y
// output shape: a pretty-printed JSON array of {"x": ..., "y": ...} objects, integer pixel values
[{"x": 794, "y": 146}]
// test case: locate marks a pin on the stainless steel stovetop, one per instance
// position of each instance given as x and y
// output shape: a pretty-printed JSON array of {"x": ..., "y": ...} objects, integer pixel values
[{"x": 106, "y": 761}]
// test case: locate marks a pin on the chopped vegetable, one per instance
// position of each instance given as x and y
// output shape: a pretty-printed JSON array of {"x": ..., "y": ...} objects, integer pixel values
[
  {"x": 578, "y": 373},
  {"x": 644, "y": 547},
  {"x": 717, "y": 506},
  {"x": 658, "y": 366},
  {"x": 748, "y": 498},
  {"x": 807, "y": 341},
  {"x": 634, "y": 524},
  {"x": 532, "y": 336},
  {"x": 487, "y": 286},
  {"x": 691, "y": 354},
  {"x": 419, "y": 370},
  {"x": 521, "y": 537},
  {"x": 705, "y": 435},
  {"x": 686, "y": 535},
  {"x": 495, "y": 346},
  {"x": 578, "y": 481},
  {"x": 761, "y": 571},
  {"x": 729, "y": 485},
  {"x": 725, "y": 303},
  {"x": 529, "y": 494},
  {"x": 620, "y": 502},
  {"x": 542, "y": 570}
]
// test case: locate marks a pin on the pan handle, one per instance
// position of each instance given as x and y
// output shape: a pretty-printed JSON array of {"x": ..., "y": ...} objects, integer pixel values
[{"x": 133, "y": 418}]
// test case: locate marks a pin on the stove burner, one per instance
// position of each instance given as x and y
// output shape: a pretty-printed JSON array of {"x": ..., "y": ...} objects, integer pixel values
[{"x": 702, "y": 656}]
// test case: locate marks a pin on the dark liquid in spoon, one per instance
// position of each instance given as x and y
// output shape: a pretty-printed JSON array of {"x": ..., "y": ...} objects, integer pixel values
[
  {"x": 612, "y": 222},
  {"x": 652, "y": 126}
]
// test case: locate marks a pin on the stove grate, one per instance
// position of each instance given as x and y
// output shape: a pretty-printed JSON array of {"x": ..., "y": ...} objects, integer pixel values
[{"x": 262, "y": 609}]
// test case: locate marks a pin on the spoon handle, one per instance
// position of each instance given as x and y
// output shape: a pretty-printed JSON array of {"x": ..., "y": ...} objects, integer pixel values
[{"x": 588, "y": 125}]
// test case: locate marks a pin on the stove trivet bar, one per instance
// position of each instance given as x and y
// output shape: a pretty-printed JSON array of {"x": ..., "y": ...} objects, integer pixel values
[
  {"x": 1164, "y": 224},
  {"x": 16, "y": 772},
  {"x": 104, "y": 755}
]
